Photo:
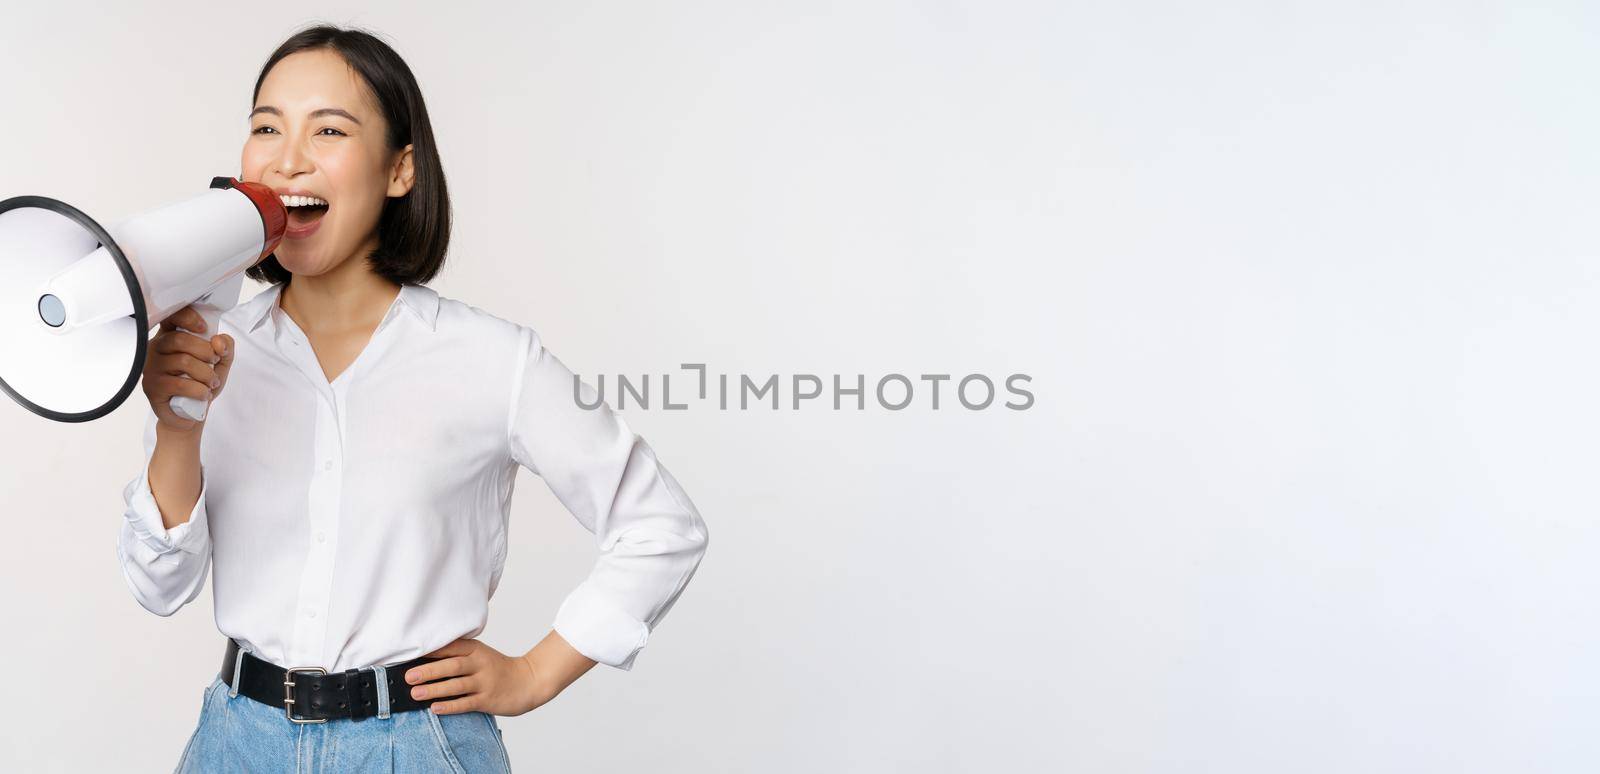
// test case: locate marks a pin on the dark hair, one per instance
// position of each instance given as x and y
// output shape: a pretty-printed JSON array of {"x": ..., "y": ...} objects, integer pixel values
[{"x": 413, "y": 230}]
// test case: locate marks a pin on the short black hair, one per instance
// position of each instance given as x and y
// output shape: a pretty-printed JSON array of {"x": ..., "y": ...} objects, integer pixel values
[{"x": 413, "y": 230}]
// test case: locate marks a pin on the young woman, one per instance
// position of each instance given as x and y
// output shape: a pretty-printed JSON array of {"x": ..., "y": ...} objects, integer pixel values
[{"x": 351, "y": 493}]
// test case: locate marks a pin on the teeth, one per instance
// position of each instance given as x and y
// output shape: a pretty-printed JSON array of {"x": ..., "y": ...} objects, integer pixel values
[{"x": 302, "y": 201}]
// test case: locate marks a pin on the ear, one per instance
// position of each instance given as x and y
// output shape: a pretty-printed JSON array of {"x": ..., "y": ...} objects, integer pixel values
[{"x": 402, "y": 174}]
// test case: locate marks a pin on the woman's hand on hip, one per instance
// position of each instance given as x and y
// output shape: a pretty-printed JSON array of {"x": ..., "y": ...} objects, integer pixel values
[{"x": 478, "y": 678}]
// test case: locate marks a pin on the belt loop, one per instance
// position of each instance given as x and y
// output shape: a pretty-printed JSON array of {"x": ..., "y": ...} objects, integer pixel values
[
  {"x": 383, "y": 691},
  {"x": 238, "y": 667}
]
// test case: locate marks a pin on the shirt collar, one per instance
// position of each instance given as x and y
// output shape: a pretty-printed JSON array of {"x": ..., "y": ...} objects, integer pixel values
[{"x": 420, "y": 300}]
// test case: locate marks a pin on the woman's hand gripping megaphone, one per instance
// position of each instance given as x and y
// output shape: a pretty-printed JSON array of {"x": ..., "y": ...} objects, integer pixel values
[{"x": 184, "y": 364}]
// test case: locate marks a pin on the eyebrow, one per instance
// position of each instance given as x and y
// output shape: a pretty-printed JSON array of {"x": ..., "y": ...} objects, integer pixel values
[{"x": 318, "y": 113}]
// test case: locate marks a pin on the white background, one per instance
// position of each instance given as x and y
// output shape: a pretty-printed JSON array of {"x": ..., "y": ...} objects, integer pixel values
[{"x": 1307, "y": 292}]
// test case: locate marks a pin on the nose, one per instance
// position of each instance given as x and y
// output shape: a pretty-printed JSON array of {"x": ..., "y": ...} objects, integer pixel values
[{"x": 293, "y": 159}]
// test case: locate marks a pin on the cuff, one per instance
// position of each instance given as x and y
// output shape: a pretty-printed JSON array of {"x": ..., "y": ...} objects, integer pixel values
[
  {"x": 600, "y": 630},
  {"x": 144, "y": 516}
]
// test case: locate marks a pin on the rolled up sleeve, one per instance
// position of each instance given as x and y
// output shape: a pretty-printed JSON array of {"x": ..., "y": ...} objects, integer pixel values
[
  {"x": 164, "y": 568},
  {"x": 650, "y": 536}
]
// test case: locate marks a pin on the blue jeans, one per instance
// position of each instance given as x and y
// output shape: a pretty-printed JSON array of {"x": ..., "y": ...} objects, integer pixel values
[{"x": 239, "y": 734}]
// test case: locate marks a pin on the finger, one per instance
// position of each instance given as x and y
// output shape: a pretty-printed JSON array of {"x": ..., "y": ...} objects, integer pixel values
[
  {"x": 176, "y": 385},
  {"x": 453, "y": 706},
  {"x": 222, "y": 344},
  {"x": 186, "y": 318},
  {"x": 178, "y": 341},
  {"x": 185, "y": 363},
  {"x": 456, "y": 686},
  {"x": 437, "y": 670}
]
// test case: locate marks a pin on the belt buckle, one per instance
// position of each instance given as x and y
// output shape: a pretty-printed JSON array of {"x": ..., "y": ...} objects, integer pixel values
[{"x": 288, "y": 693}]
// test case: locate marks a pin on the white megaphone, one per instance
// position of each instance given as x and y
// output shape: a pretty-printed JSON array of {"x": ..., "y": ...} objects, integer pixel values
[{"x": 77, "y": 301}]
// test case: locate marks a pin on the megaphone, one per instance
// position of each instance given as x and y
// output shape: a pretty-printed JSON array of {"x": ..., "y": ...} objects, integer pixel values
[{"x": 77, "y": 300}]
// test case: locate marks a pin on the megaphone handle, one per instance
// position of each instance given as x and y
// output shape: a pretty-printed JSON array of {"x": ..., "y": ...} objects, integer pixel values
[{"x": 183, "y": 405}]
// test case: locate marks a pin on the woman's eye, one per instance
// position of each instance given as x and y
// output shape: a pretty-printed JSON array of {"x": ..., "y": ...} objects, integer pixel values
[
  {"x": 331, "y": 129},
  {"x": 263, "y": 130}
]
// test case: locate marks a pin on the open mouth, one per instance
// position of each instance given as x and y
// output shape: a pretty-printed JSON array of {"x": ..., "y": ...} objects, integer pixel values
[{"x": 305, "y": 212}]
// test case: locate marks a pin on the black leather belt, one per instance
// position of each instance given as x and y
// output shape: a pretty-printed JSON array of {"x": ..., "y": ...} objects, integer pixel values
[{"x": 314, "y": 695}]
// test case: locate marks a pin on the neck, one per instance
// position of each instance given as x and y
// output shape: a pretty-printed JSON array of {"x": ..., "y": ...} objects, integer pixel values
[{"x": 348, "y": 298}]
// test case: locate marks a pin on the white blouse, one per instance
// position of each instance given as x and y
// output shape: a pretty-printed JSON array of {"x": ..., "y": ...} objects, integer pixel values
[{"x": 364, "y": 521}]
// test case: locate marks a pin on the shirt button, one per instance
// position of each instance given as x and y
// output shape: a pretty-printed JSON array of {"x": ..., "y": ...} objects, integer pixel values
[
  {"x": 321, "y": 538},
  {"x": 311, "y": 614},
  {"x": 327, "y": 465}
]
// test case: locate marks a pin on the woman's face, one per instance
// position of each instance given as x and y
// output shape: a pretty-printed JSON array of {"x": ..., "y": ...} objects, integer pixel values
[{"x": 315, "y": 131}]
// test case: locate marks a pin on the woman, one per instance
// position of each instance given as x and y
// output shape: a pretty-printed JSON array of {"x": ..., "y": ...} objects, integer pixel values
[{"x": 352, "y": 491}]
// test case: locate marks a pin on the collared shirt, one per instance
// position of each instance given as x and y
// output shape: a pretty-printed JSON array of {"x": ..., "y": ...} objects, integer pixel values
[{"x": 363, "y": 521}]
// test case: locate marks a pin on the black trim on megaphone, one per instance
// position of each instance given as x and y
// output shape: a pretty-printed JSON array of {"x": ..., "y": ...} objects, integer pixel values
[{"x": 141, "y": 319}]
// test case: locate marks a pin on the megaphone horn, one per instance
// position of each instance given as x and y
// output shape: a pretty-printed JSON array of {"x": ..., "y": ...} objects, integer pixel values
[{"x": 77, "y": 301}]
